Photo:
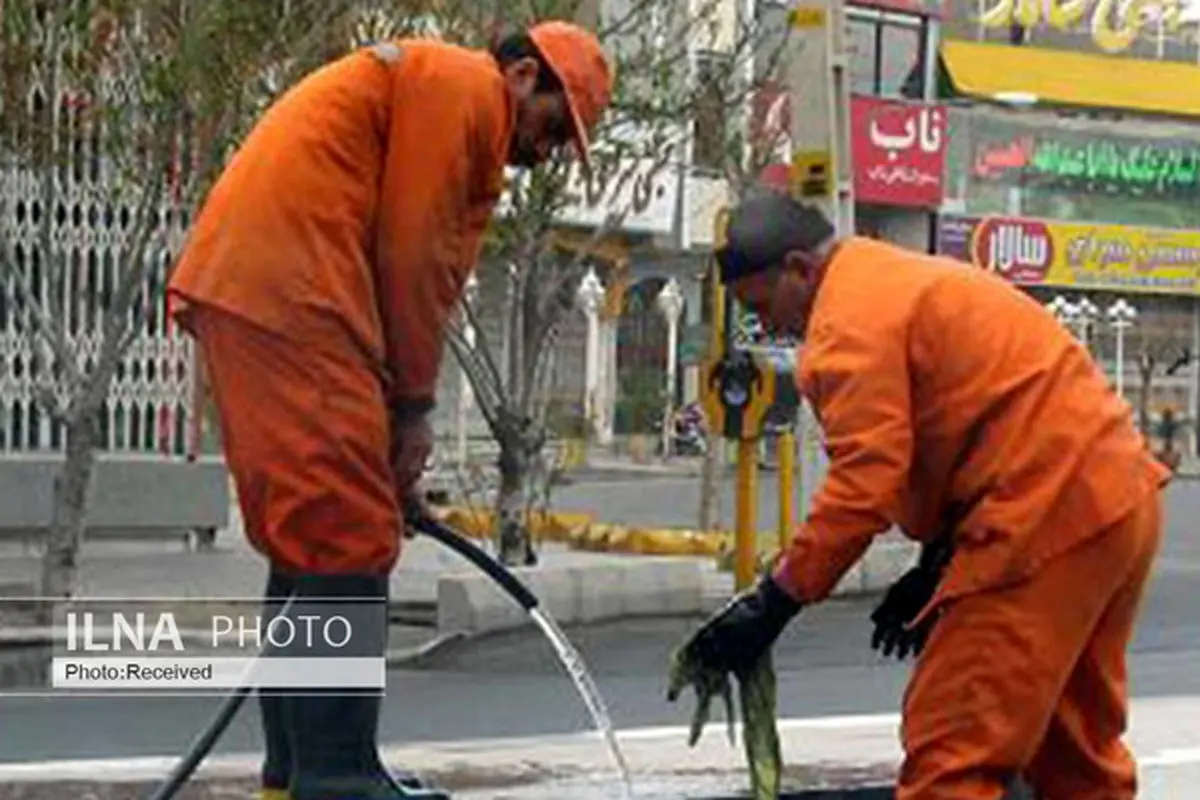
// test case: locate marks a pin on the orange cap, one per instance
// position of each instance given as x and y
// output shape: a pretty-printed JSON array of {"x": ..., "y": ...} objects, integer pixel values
[{"x": 579, "y": 62}]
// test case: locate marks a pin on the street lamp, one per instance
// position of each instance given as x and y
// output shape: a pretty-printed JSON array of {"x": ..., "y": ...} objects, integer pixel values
[
  {"x": 465, "y": 393},
  {"x": 590, "y": 296},
  {"x": 1087, "y": 312},
  {"x": 1121, "y": 316},
  {"x": 670, "y": 303},
  {"x": 1061, "y": 308}
]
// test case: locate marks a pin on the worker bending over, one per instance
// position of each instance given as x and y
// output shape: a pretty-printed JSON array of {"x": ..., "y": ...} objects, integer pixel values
[
  {"x": 956, "y": 407},
  {"x": 318, "y": 280}
]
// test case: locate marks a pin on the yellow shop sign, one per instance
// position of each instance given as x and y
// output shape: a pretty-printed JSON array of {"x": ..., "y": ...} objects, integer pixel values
[
  {"x": 1078, "y": 255},
  {"x": 1114, "y": 25}
]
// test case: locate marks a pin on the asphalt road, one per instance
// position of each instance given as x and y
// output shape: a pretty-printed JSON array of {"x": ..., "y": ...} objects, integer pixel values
[{"x": 512, "y": 685}]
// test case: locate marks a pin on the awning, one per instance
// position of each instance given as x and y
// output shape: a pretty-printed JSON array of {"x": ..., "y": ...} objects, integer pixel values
[{"x": 985, "y": 70}]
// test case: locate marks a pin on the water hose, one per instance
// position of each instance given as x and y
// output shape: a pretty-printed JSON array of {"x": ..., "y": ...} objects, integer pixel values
[
  {"x": 472, "y": 552},
  {"x": 203, "y": 744}
]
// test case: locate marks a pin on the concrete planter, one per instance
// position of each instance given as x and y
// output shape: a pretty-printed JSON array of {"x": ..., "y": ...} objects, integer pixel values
[{"x": 132, "y": 496}]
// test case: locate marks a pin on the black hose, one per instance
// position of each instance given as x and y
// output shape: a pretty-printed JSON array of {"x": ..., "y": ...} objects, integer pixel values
[
  {"x": 476, "y": 555},
  {"x": 203, "y": 744}
]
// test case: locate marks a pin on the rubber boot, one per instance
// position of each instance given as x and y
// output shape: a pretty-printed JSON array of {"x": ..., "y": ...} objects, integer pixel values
[
  {"x": 277, "y": 762},
  {"x": 333, "y": 733}
]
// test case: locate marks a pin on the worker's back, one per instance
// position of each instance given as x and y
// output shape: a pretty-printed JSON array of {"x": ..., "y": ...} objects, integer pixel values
[
  {"x": 330, "y": 201},
  {"x": 1011, "y": 416},
  {"x": 281, "y": 234}
]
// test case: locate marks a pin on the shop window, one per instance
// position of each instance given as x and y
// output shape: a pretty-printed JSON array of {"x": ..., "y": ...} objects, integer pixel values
[
  {"x": 863, "y": 43},
  {"x": 887, "y": 53},
  {"x": 901, "y": 68}
]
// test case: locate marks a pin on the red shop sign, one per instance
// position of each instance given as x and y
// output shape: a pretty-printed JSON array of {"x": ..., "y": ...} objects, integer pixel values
[
  {"x": 898, "y": 151},
  {"x": 1021, "y": 250}
]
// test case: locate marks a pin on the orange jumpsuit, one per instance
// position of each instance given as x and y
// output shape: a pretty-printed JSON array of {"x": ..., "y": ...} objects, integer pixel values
[
  {"x": 319, "y": 277},
  {"x": 938, "y": 385}
]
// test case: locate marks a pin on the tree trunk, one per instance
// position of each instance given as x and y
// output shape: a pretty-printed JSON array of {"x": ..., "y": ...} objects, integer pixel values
[
  {"x": 60, "y": 560},
  {"x": 512, "y": 535},
  {"x": 61, "y": 557},
  {"x": 710, "y": 483}
]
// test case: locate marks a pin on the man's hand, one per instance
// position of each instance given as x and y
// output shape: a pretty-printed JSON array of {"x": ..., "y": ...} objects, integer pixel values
[
  {"x": 735, "y": 638},
  {"x": 412, "y": 444},
  {"x": 904, "y": 600}
]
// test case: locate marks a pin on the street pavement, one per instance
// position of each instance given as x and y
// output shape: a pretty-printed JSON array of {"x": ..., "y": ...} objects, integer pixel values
[
  {"x": 510, "y": 685},
  {"x": 666, "y": 500}
]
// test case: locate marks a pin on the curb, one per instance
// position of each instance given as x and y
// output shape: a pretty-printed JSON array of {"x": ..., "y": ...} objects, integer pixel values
[
  {"x": 423, "y": 654},
  {"x": 573, "y": 595},
  {"x": 681, "y": 573},
  {"x": 582, "y": 531}
]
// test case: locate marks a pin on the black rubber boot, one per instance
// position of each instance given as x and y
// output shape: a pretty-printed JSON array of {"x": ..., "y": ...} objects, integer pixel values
[
  {"x": 333, "y": 733},
  {"x": 277, "y": 762}
]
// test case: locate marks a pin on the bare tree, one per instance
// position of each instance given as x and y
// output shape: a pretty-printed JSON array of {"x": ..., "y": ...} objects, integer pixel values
[
  {"x": 644, "y": 138},
  {"x": 132, "y": 105},
  {"x": 743, "y": 119}
]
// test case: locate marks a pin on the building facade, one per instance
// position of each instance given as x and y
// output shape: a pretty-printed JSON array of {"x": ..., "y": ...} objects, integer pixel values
[
  {"x": 898, "y": 134},
  {"x": 1087, "y": 189}
]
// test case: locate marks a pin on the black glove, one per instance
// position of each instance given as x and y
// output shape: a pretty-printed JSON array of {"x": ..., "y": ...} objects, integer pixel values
[
  {"x": 904, "y": 600},
  {"x": 734, "y": 638}
]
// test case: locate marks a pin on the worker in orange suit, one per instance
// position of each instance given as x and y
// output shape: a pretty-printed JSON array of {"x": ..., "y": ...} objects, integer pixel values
[
  {"x": 318, "y": 281},
  {"x": 956, "y": 408}
]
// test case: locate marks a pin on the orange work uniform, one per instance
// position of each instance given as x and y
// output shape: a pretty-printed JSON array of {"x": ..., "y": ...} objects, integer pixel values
[
  {"x": 939, "y": 386},
  {"x": 318, "y": 279}
]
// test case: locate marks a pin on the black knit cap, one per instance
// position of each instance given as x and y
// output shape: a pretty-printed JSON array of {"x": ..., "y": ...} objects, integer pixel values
[{"x": 765, "y": 228}]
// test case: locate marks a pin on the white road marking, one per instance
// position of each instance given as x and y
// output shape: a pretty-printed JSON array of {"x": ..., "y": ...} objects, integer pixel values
[{"x": 1165, "y": 735}]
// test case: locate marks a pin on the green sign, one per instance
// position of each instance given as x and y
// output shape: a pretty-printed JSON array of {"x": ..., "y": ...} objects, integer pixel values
[{"x": 1100, "y": 165}]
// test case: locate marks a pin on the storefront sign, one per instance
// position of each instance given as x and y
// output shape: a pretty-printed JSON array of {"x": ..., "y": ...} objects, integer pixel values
[
  {"x": 899, "y": 152},
  {"x": 1114, "y": 25},
  {"x": 1106, "y": 165},
  {"x": 1076, "y": 254}
]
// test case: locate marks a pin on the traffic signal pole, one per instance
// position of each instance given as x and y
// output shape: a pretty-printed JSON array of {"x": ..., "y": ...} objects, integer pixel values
[
  {"x": 737, "y": 392},
  {"x": 739, "y": 387}
]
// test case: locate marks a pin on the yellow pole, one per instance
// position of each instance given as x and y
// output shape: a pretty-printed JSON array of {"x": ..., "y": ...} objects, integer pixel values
[
  {"x": 787, "y": 487},
  {"x": 745, "y": 527}
]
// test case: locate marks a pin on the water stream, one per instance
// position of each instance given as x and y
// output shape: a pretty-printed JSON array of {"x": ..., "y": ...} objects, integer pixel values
[{"x": 573, "y": 662}]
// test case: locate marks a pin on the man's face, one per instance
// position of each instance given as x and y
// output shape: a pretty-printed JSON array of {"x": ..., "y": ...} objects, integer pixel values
[
  {"x": 780, "y": 297},
  {"x": 543, "y": 119},
  {"x": 543, "y": 125}
]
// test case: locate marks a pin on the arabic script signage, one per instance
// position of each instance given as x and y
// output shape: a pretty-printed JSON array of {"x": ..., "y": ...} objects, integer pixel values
[
  {"x": 1091, "y": 165},
  {"x": 1076, "y": 254},
  {"x": 1114, "y": 25},
  {"x": 1156, "y": 30},
  {"x": 898, "y": 151}
]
